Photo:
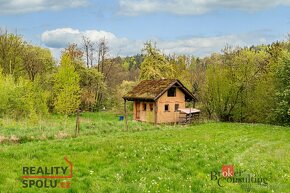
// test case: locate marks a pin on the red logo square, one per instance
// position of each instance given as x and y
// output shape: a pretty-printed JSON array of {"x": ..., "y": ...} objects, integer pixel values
[
  {"x": 65, "y": 184},
  {"x": 228, "y": 170}
]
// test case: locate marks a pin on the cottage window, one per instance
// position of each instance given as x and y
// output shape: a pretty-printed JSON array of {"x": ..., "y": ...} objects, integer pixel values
[
  {"x": 171, "y": 92},
  {"x": 151, "y": 107},
  {"x": 166, "y": 107},
  {"x": 144, "y": 106},
  {"x": 176, "y": 107}
]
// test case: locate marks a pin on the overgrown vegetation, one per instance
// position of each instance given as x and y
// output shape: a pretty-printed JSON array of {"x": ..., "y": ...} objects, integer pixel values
[
  {"x": 154, "y": 159},
  {"x": 248, "y": 84},
  {"x": 53, "y": 127}
]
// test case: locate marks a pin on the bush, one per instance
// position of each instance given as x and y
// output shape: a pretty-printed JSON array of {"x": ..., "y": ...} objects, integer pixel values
[{"x": 21, "y": 98}]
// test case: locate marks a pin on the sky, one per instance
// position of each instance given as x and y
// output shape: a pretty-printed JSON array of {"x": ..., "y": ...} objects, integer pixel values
[{"x": 191, "y": 27}]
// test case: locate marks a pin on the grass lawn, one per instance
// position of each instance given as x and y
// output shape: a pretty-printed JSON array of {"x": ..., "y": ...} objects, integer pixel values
[
  {"x": 147, "y": 158},
  {"x": 57, "y": 127}
]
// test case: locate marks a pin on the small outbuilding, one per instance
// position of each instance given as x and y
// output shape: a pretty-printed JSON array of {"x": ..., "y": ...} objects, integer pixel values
[{"x": 162, "y": 101}]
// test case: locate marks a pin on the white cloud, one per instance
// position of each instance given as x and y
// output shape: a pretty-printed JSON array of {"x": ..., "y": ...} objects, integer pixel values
[
  {"x": 60, "y": 38},
  {"x": 198, "y": 46},
  {"x": 194, "y": 7},
  {"x": 25, "y": 6},
  {"x": 202, "y": 46}
]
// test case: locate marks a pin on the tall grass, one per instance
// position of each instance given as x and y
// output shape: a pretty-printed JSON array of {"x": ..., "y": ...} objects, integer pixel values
[
  {"x": 57, "y": 126},
  {"x": 157, "y": 158}
]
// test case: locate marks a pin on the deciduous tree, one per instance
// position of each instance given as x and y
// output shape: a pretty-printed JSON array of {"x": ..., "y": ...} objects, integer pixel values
[
  {"x": 66, "y": 87},
  {"x": 155, "y": 65}
]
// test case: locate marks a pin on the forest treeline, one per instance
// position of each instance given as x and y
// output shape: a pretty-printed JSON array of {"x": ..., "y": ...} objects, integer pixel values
[{"x": 249, "y": 84}]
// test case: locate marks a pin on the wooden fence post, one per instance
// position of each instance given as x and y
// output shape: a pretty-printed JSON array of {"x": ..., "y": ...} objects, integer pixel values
[{"x": 77, "y": 131}]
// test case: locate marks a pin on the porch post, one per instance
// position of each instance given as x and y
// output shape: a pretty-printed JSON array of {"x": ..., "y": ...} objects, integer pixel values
[
  {"x": 190, "y": 115},
  {"x": 193, "y": 103},
  {"x": 126, "y": 118},
  {"x": 155, "y": 112}
]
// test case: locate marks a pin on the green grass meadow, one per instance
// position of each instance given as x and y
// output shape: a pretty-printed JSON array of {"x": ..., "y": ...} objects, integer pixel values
[{"x": 146, "y": 158}]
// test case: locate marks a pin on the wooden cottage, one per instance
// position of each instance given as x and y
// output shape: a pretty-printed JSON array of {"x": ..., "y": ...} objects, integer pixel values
[{"x": 161, "y": 101}]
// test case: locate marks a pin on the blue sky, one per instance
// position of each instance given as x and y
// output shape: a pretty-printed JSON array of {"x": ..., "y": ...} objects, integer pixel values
[{"x": 193, "y": 27}]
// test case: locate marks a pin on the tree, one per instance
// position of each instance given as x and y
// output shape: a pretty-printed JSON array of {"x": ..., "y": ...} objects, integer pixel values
[
  {"x": 155, "y": 65},
  {"x": 76, "y": 55},
  {"x": 282, "y": 74},
  {"x": 230, "y": 88},
  {"x": 21, "y": 98},
  {"x": 36, "y": 60},
  {"x": 102, "y": 53},
  {"x": 89, "y": 49},
  {"x": 11, "y": 47},
  {"x": 66, "y": 87},
  {"x": 202, "y": 74},
  {"x": 121, "y": 90},
  {"x": 103, "y": 63},
  {"x": 91, "y": 82},
  {"x": 132, "y": 66}
]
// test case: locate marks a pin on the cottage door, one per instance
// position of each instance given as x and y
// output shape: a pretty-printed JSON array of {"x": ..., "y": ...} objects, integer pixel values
[{"x": 137, "y": 110}]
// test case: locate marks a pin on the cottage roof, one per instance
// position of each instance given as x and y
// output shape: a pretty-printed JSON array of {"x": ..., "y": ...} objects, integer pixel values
[{"x": 151, "y": 90}]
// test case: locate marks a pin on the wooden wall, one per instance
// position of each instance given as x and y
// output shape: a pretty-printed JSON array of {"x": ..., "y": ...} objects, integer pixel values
[
  {"x": 148, "y": 115},
  {"x": 162, "y": 116},
  {"x": 170, "y": 116}
]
